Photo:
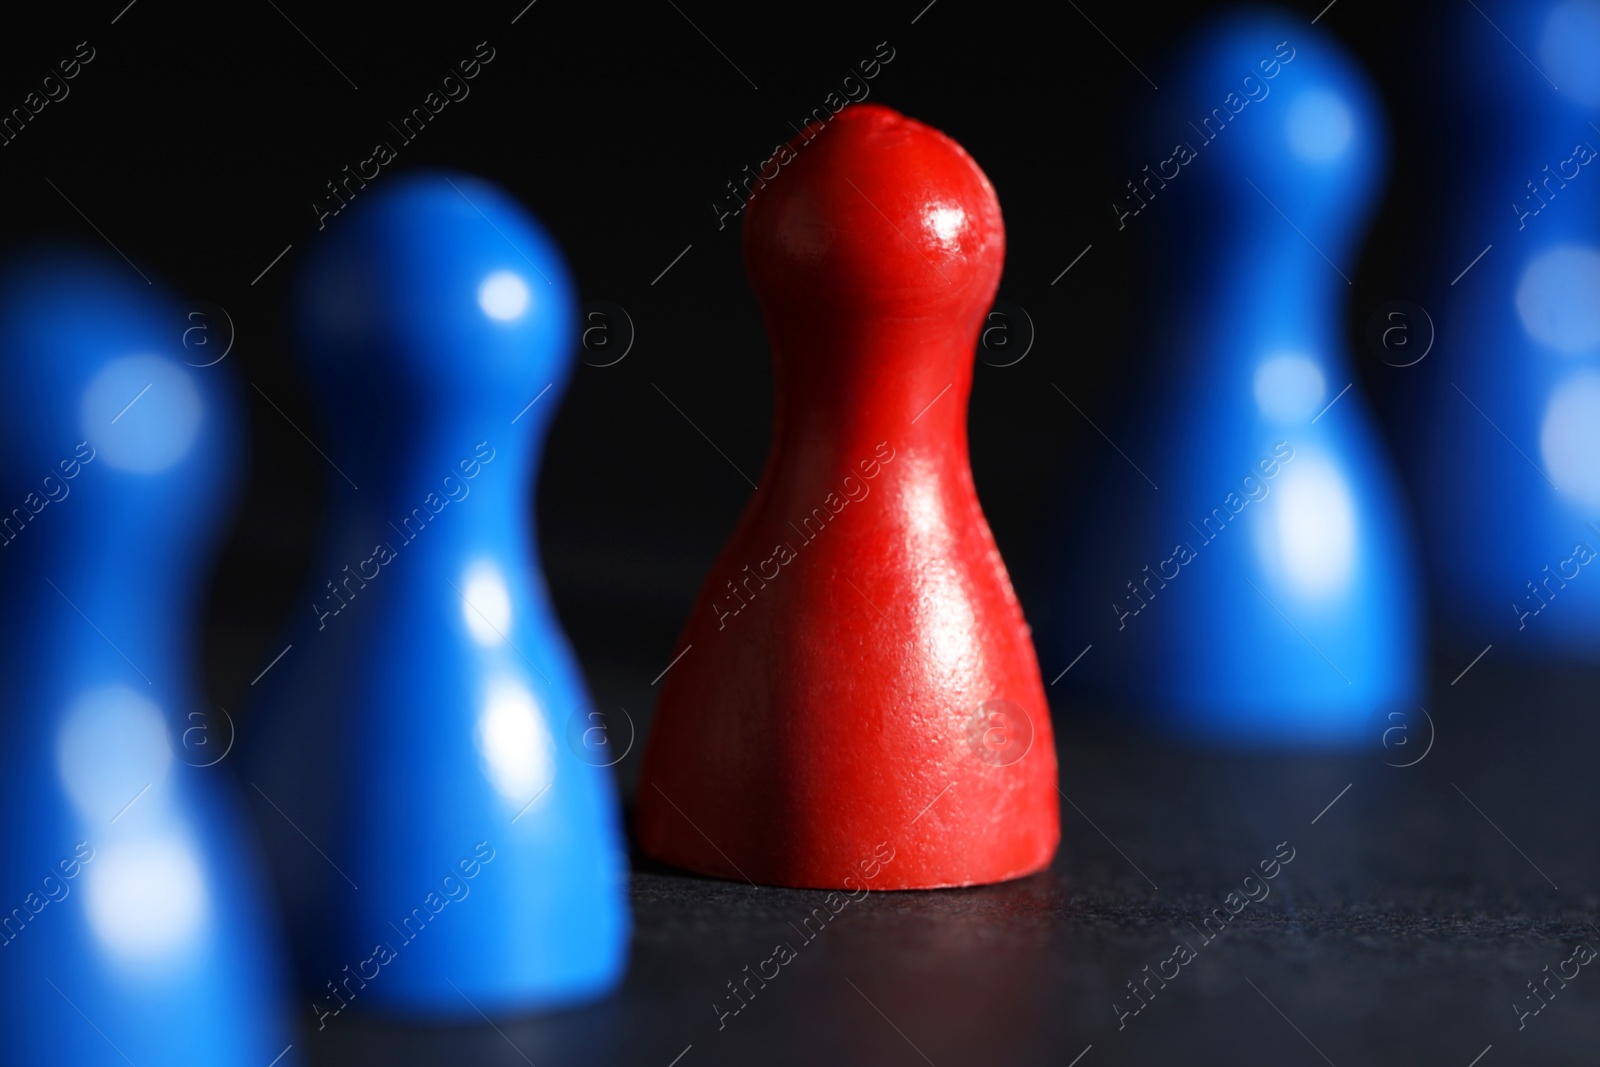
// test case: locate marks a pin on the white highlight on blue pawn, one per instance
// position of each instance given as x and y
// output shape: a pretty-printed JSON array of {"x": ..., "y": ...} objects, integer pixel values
[
  {"x": 518, "y": 751},
  {"x": 487, "y": 611},
  {"x": 141, "y": 413},
  {"x": 1289, "y": 388},
  {"x": 503, "y": 295},
  {"x": 1558, "y": 298},
  {"x": 1313, "y": 538},
  {"x": 144, "y": 893},
  {"x": 147, "y": 901},
  {"x": 1569, "y": 438},
  {"x": 112, "y": 744},
  {"x": 1320, "y": 126}
]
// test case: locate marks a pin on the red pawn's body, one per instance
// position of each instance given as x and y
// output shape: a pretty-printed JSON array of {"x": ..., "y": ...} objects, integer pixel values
[{"x": 850, "y": 643}]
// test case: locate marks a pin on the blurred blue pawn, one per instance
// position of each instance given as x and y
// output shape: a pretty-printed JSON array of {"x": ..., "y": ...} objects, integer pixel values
[
  {"x": 133, "y": 926},
  {"x": 1511, "y": 458},
  {"x": 1265, "y": 594},
  {"x": 442, "y": 821}
]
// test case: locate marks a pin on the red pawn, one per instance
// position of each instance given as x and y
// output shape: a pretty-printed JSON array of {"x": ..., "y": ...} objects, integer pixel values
[{"x": 861, "y": 681}]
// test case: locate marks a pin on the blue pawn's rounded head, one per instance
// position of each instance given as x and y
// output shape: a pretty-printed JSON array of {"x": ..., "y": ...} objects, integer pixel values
[
  {"x": 107, "y": 401},
  {"x": 1268, "y": 100},
  {"x": 433, "y": 289}
]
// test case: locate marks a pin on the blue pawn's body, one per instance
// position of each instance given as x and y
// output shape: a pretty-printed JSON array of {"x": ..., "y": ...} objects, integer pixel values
[
  {"x": 417, "y": 729},
  {"x": 150, "y": 940},
  {"x": 1287, "y": 613},
  {"x": 1513, "y": 523}
]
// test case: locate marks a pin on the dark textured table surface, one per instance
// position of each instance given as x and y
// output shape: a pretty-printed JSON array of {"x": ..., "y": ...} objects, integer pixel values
[{"x": 1419, "y": 903}]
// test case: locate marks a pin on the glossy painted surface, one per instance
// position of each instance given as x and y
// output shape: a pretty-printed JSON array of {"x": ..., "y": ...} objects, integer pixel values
[
  {"x": 1267, "y": 592},
  {"x": 1509, "y": 471},
  {"x": 440, "y": 844},
  {"x": 132, "y": 927},
  {"x": 857, "y": 678}
]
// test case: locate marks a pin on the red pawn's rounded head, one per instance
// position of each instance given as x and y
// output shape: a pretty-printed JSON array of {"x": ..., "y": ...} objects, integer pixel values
[{"x": 873, "y": 214}]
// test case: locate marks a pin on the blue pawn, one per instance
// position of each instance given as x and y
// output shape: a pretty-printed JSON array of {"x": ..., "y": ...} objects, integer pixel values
[
  {"x": 133, "y": 926},
  {"x": 1265, "y": 593},
  {"x": 1510, "y": 471},
  {"x": 445, "y": 837}
]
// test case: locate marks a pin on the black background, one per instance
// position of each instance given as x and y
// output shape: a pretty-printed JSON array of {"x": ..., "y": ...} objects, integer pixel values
[
  {"x": 198, "y": 144},
  {"x": 197, "y": 141}
]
